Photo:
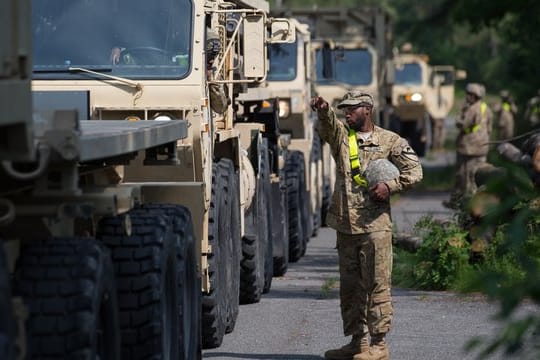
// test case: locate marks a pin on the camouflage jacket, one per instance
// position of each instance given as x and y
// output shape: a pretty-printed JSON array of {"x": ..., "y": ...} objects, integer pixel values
[
  {"x": 352, "y": 209},
  {"x": 474, "y": 127}
]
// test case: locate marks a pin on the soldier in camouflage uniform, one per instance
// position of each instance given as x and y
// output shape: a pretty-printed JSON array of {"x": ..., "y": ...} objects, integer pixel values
[
  {"x": 474, "y": 129},
  {"x": 361, "y": 216},
  {"x": 505, "y": 111},
  {"x": 532, "y": 112}
]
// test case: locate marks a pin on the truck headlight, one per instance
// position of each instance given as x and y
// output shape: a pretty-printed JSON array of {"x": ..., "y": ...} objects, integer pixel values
[
  {"x": 416, "y": 97},
  {"x": 284, "y": 108},
  {"x": 162, "y": 117}
]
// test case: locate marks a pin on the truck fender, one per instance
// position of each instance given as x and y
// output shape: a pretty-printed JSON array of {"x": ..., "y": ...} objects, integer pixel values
[{"x": 247, "y": 179}]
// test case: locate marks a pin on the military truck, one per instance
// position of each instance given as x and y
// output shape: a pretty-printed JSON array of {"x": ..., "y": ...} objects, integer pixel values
[
  {"x": 291, "y": 78},
  {"x": 422, "y": 97},
  {"x": 126, "y": 194},
  {"x": 353, "y": 50}
]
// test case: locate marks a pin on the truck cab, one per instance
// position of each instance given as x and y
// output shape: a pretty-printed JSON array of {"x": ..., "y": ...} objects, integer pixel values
[{"x": 421, "y": 94}]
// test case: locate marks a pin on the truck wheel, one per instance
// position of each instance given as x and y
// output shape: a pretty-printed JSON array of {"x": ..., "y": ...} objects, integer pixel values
[
  {"x": 325, "y": 202},
  {"x": 269, "y": 254},
  {"x": 8, "y": 327},
  {"x": 316, "y": 184},
  {"x": 220, "y": 305},
  {"x": 189, "y": 281},
  {"x": 280, "y": 226},
  {"x": 231, "y": 223},
  {"x": 295, "y": 207},
  {"x": 255, "y": 246},
  {"x": 69, "y": 287},
  {"x": 146, "y": 266}
]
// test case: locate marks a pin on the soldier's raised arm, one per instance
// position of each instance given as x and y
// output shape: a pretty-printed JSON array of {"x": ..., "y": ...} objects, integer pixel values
[{"x": 329, "y": 127}]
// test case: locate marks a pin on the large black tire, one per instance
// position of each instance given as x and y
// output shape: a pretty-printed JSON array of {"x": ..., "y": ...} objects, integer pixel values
[
  {"x": 253, "y": 271},
  {"x": 266, "y": 184},
  {"x": 327, "y": 193},
  {"x": 146, "y": 266},
  {"x": 68, "y": 285},
  {"x": 316, "y": 154},
  {"x": 189, "y": 281},
  {"x": 294, "y": 180},
  {"x": 8, "y": 328},
  {"x": 220, "y": 305},
  {"x": 280, "y": 225},
  {"x": 231, "y": 222}
]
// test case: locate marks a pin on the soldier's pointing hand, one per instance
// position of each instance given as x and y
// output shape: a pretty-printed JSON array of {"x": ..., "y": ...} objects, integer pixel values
[{"x": 318, "y": 103}]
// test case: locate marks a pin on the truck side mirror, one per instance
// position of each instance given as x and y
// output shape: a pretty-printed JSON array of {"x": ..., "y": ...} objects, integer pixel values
[
  {"x": 254, "y": 46},
  {"x": 390, "y": 72},
  {"x": 461, "y": 74},
  {"x": 282, "y": 31},
  {"x": 328, "y": 64}
]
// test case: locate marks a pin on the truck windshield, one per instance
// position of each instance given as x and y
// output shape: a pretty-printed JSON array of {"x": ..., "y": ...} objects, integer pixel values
[
  {"x": 282, "y": 59},
  {"x": 134, "y": 39},
  {"x": 349, "y": 66},
  {"x": 408, "y": 74}
]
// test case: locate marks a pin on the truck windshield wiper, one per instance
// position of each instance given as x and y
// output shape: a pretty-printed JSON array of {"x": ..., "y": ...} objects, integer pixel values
[
  {"x": 98, "y": 71},
  {"x": 135, "y": 84}
]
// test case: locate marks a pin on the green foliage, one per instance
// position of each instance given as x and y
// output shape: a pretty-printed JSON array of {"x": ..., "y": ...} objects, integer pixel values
[
  {"x": 444, "y": 253},
  {"x": 510, "y": 272},
  {"x": 436, "y": 265}
]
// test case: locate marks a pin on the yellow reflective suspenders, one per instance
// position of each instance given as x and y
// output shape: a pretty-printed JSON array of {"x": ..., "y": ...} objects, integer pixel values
[
  {"x": 476, "y": 127},
  {"x": 355, "y": 162}
]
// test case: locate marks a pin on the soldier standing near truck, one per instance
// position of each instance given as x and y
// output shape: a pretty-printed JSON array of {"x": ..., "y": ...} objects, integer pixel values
[
  {"x": 505, "y": 110},
  {"x": 360, "y": 213},
  {"x": 474, "y": 126}
]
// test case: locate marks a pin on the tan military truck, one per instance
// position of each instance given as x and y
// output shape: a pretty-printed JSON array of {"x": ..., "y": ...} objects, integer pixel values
[
  {"x": 353, "y": 50},
  {"x": 290, "y": 79},
  {"x": 127, "y": 194},
  {"x": 422, "y": 97}
]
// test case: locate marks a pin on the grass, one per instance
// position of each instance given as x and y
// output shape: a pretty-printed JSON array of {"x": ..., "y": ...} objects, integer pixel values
[{"x": 328, "y": 285}]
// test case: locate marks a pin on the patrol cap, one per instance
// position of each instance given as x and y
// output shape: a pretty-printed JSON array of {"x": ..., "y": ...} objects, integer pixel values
[
  {"x": 356, "y": 98},
  {"x": 505, "y": 94},
  {"x": 475, "y": 89}
]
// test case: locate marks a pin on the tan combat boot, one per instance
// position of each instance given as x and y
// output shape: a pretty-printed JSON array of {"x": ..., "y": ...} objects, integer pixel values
[
  {"x": 377, "y": 351},
  {"x": 358, "y": 345}
]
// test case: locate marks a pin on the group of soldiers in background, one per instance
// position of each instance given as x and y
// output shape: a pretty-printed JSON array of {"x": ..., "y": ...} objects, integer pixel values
[{"x": 476, "y": 128}]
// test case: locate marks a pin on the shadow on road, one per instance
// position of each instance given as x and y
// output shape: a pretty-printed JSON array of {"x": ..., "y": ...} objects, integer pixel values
[{"x": 228, "y": 355}]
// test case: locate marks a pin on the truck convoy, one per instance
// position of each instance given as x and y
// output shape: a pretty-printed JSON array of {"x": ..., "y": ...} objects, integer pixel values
[
  {"x": 422, "y": 97},
  {"x": 135, "y": 198},
  {"x": 290, "y": 80}
]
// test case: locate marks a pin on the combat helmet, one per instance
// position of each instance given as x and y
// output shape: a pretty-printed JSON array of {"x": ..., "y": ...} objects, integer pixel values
[
  {"x": 381, "y": 170},
  {"x": 475, "y": 89}
]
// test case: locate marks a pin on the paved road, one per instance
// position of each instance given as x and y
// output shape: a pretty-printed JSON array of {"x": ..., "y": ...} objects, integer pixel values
[{"x": 299, "y": 318}]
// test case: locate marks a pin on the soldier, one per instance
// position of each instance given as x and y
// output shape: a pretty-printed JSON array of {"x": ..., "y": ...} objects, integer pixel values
[
  {"x": 361, "y": 216},
  {"x": 474, "y": 127},
  {"x": 505, "y": 111},
  {"x": 532, "y": 113}
]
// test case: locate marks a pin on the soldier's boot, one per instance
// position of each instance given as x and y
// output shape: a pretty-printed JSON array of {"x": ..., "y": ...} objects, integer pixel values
[
  {"x": 377, "y": 351},
  {"x": 359, "y": 344}
]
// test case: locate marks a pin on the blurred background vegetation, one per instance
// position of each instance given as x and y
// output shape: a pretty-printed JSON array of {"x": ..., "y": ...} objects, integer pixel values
[{"x": 495, "y": 41}]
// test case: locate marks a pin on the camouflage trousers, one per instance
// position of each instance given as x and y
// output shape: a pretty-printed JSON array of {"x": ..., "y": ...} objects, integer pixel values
[
  {"x": 465, "y": 171},
  {"x": 365, "y": 269}
]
